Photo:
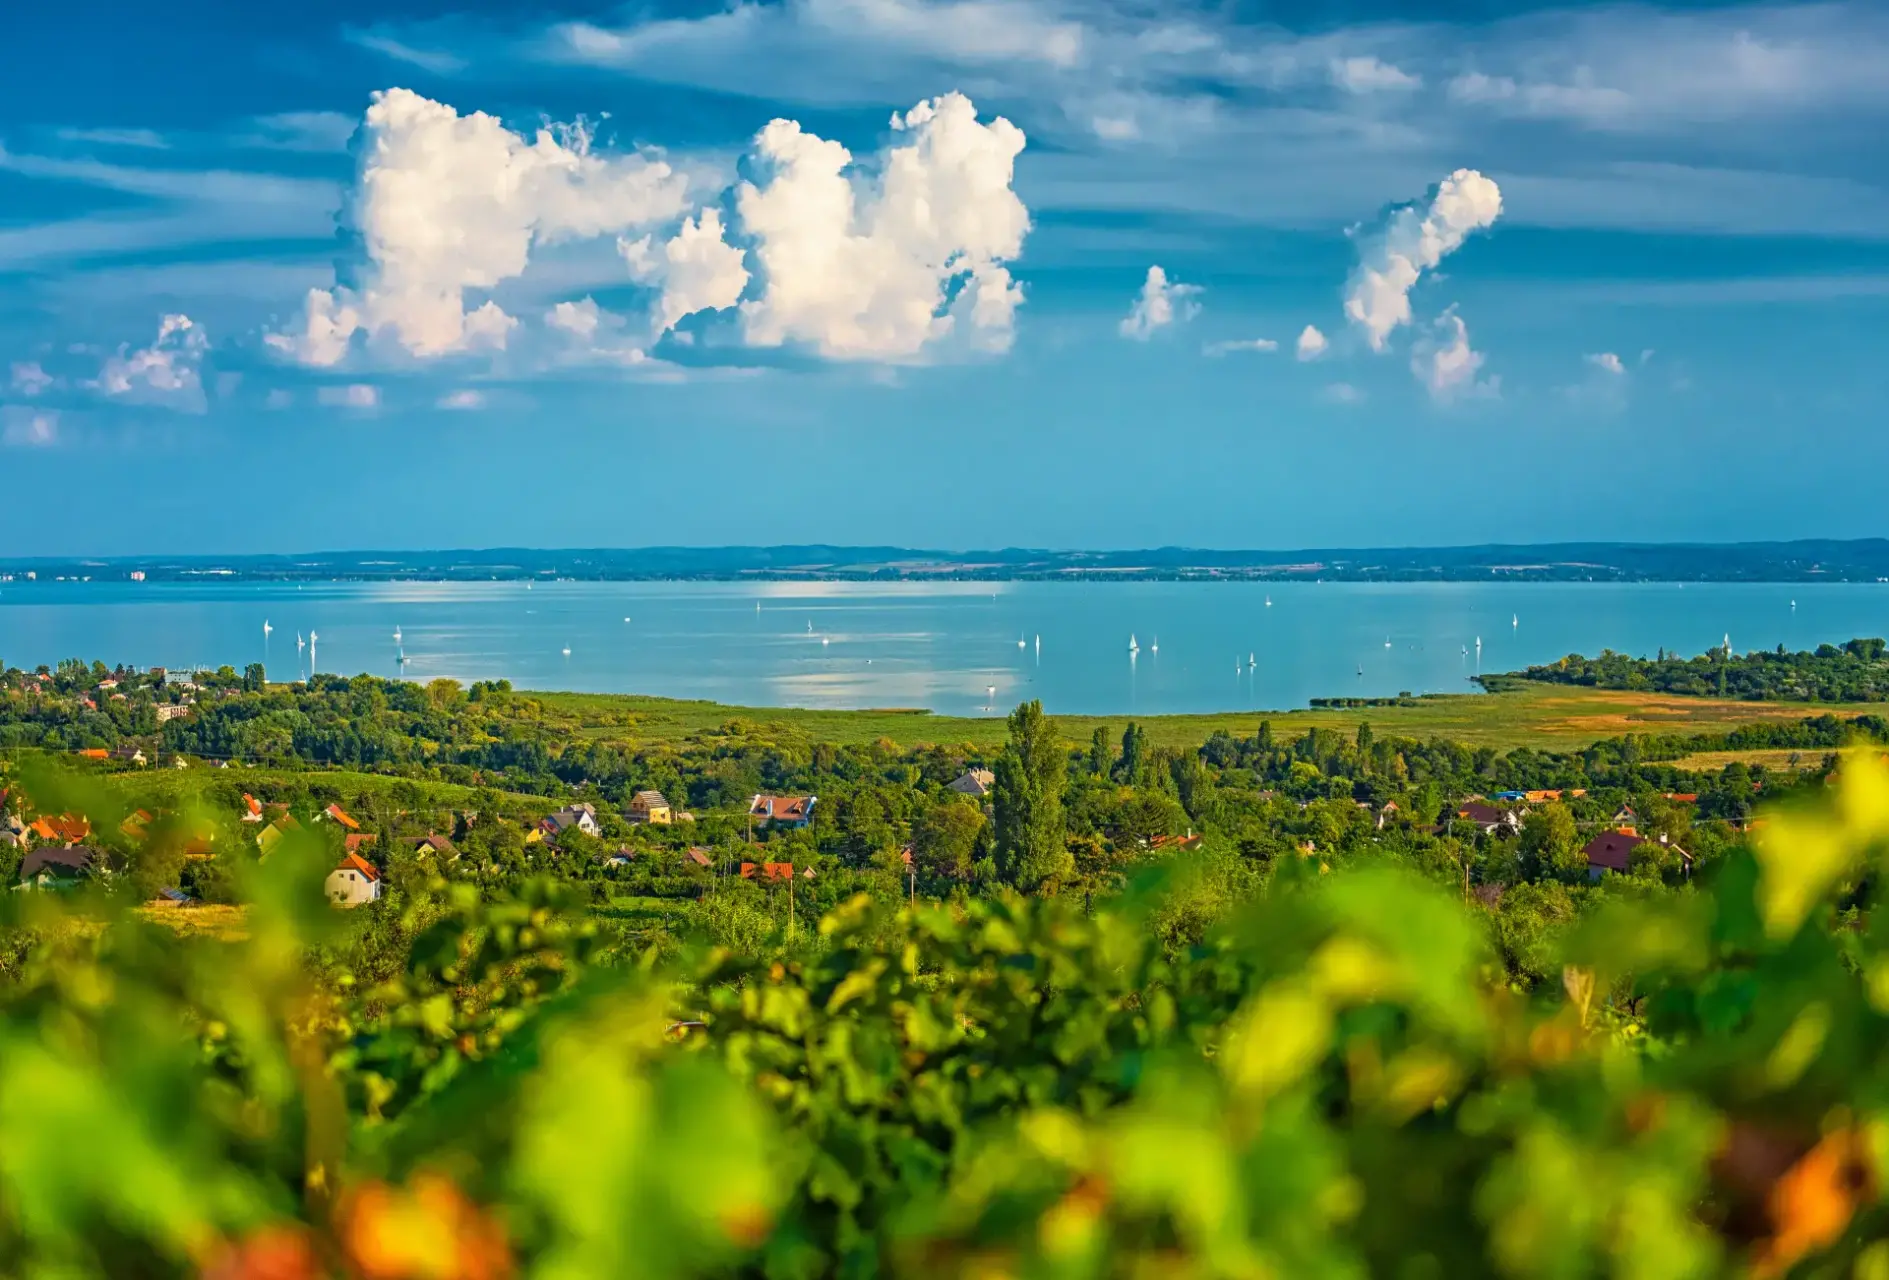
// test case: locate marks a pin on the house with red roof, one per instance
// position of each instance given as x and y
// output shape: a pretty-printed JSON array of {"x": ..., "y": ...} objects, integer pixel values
[
  {"x": 1613, "y": 851},
  {"x": 782, "y": 811},
  {"x": 355, "y": 881},
  {"x": 336, "y": 814}
]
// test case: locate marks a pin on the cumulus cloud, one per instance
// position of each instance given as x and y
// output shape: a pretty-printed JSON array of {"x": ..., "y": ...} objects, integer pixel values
[
  {"x": 1160, "y": 303},
  {"x": 444, "y": 203},
  {"x": 697, "y": 269},
  {"x": 1239, "y": 344},
  {"x": 591, "y": 331},
  {"x": 357, "y": 395},
  {"x": 1414, "y": 240},
  {"x": 1446, "y": 364},
  {"x": 463, "y": 399},
  {"x": 1369, "y": 75},
  {"x": 28, "y": 428},
  {"x": 168, "y": 370},
  {"x": 29, "y": 379},
  {"x": 1311, "y": 344},
  {"x": 1607, "y": 362},
  {"x": 879, "y": 266}
]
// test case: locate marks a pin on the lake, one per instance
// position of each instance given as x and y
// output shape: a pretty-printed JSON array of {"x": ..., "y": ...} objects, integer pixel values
[{"x": 937, "y": 645}]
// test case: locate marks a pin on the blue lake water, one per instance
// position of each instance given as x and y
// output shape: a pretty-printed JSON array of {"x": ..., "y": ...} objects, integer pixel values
[{"x": 937, "y": 645}]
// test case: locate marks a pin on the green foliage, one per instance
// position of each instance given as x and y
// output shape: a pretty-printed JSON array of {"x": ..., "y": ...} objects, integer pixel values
[
  {"x": 1027, "y": 800},
  {"x": 1854, "y": 672}
]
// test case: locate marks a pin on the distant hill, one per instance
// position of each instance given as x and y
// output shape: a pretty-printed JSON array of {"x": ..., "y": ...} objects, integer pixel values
[{"x": 1819, "y": 560}]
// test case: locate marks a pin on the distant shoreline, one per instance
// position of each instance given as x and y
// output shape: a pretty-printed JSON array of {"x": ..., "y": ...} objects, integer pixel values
[{"x": 1806, "y": 561}]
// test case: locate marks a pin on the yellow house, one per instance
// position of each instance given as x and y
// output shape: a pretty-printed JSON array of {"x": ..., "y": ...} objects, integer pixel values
[{"x": 649, "y": 806}]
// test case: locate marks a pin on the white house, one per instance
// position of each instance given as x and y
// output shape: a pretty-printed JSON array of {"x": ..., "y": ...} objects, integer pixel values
[{"x": 353, "y": 882}]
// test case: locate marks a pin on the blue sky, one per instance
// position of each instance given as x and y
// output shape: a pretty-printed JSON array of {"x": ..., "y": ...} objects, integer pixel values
[{"x": 437, "y": 274}]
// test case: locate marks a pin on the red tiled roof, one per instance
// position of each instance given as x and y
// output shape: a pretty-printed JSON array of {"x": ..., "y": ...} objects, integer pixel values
[
  {"x": 355, "y": 862},
  {"x": 1175, "y": 842},
  {"x": 1613, "y": 850},
  {"x": 356, "y": 840},
  {"x": 340, "y": 815},
  {"x": 781, "y": 808},
  {"x": 95, "y": 753},
  {"x": 699, "y": 856}
]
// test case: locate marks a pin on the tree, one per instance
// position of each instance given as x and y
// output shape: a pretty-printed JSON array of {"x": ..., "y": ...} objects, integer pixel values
[
  {"x": 1128, "y": 768},
  {"x": 1027, "y": 800},
  {"x": 1100, "y": 752},
  {"x": 254, "y": 678},
  {"x": 1550, "y": 847},
  {"x": 945, "y": 839}
]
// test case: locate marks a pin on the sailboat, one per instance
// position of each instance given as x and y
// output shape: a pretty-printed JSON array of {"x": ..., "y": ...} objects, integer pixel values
[
  {"x": 1019, "y": 641},
  {"x": 1133, "y": 646},
  {"x": 1515, "y": 620},
  {"x": 567, "y": 651},
  {"x": 266, "y": 628},
  {"x": 1269, "y": 602},
  {"x": 1156, "y": 646},
  {"x": 1039, "y": 646},
  {"x": 1250, "y": 662},
  {"x": 1387, "y": 642},
  {"x": 396, "y": 633}
]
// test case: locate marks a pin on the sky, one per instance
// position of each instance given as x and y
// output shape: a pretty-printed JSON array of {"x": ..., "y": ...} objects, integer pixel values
[{"x": 940, "y": 273}]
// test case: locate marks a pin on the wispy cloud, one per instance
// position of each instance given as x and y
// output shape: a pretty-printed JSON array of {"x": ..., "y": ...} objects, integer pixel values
[
  {"x": 1160, "y": 303},
  {"x": 374, "y": 40},
  {"x": 357, "y": 395},
  {"x": 1231, "y": 345},
  {"x": 1371, "y": 75},
  {"x": 22, "y": 428},
  {"x": 1343, "y": 393},
  {"x": 29, "y": 379},
  {"x": 141, "y": 139},
  {"x": 1447, "y": 365},
  {"x": 313, "y": 131},
  {"x": 464, "y": 399},
  {"x": 1607, "y": 362}
]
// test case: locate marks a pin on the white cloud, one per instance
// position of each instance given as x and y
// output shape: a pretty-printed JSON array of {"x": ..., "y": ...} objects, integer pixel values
[
  {"x": 1343, "y": 393},
  {"x": 141, "y": 139},
  {"x": 166, "y": 371},
  {"x": 1160, "y": 303},
  {"x": 315, "y": 131},
  {"x": 862, "y": 269},
  {"x": 358, "y": 395},
  {"x": 1607, "y": 362},
  {"x": 29, "y": 379},
  {"x": 463, "y": 399},
  {"x": 28, "y": 428},
  {"x": 445, "y": 203},
  {"x": 1446, "y": 364},
  {"x": 1239, "y": 344},
  {"x": 279, "y": 398},
  {"x": 1412, "y": 242},
  {"x": 1369, "y": 75},
  {"x": 696, "y": 269},
  {"x": 593, "y": 331},
  {"x": 436, "y": 61},
  {"x": 1311, "y": 344}
]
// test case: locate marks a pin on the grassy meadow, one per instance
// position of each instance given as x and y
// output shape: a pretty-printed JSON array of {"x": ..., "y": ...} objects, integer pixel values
[{"x": 1542, "y": 716}]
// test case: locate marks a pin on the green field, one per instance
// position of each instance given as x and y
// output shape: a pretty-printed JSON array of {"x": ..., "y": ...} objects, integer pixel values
[{"x": 1557, "y": 717}]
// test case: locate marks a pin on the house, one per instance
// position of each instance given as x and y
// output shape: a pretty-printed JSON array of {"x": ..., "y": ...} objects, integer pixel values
[
  {"x": 1683, "y": 797},
  {"x": 649, "y": 806},
  {"x": 353, "y": 882},
  {"x": 621, "y": 858},
  {"x": 582, "y": 817},
  {"x": 1491, "y": 819},
  {"x": 1613, "y": 851},
  {"x": 67, "y": 828},
  {"x": 49, "y": 868},
  {"x": 768, "y": 870},
  {"x": 271, "y": 836},
  {"x": 1175, "y": 844},
  {"x": 435, "y": 845},
  {"x": 1542, "y": 797},
  {"x": 169, "y": 711},
  {"x": 700, "y": 856},
  {"x": 974, "y": 782},
  {"x": 336, "y": 814},
  {"x": 782, "y": 811},
  {"x": 252, "y": 808},
  {"x": 137, "y": 825},
  {"x": 94, "y": 753},
  {"x": 355, "y": 841},
  {"x": 1625, "y": 817},
  {"x": 13, "y": 832}
]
